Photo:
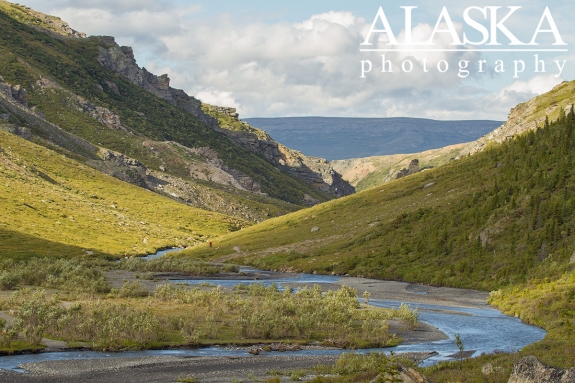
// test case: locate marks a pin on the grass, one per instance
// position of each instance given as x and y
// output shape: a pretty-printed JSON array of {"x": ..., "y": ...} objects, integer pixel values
[
  {"x": 28, "y": 54},
  {"x": 62, "y": 207},
  {"x": 500, "y": 220},
  {"x": 132, "y": 318}
]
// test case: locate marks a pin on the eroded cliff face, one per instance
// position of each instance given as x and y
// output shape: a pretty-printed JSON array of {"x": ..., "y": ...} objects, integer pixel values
[
  {"x": 315, "y": 171},
  {"x": 18, "y": 118}
]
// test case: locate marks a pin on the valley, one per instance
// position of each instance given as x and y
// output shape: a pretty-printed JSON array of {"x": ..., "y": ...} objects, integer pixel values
[{"x": 103, "y": 162}]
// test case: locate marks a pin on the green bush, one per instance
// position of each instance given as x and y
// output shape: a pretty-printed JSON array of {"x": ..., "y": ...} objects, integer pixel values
[
  {"x": 134, "y": 289},
  {"x": 9, "y": 280},
  {"x": 108, "y": 326},
  {"x": 74, "y": 275}
]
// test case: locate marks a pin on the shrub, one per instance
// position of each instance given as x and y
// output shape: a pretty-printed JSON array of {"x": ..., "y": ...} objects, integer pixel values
[
  {"x": 134, "y": 289},
  {"x": 9, "y": 280}
]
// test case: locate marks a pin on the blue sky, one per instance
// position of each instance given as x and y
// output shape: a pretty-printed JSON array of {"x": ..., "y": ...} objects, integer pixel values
[{"x": 302, "y": 58}]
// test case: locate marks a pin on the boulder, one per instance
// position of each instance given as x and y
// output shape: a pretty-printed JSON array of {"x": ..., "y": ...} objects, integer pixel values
[
  {"x": 405, "y": 375},
  {"x": 531, "y": 370},
  {"x": 411, "y": 169}
]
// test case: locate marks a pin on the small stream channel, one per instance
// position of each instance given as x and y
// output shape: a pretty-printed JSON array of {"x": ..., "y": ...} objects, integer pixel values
[{"x": 484, "y": 330}]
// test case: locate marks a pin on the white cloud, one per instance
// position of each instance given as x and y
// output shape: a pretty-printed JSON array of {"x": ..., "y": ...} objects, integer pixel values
[
  {"x": 521, "y": 90},
  {"x": 310, "y": 67}
]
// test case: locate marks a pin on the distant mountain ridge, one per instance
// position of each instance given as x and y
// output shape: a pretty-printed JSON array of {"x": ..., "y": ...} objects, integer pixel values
[
  {"x": 340, "y": 138},
  {"x": 367, "y": 172}
]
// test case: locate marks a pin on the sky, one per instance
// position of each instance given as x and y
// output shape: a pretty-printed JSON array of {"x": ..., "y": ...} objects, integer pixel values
[{"x": 306, "y": 58}]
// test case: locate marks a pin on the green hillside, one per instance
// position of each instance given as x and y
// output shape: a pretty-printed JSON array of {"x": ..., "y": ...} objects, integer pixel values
[
  {"x": 54, "y": 206},
  {"x": 65, "y": 83},
  {"x": 500, "y": 220},
  {"x": 490, "y": 220}
]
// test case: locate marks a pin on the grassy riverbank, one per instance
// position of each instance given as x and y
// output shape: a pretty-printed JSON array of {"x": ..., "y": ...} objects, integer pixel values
[{"x": 81, "y": 308}]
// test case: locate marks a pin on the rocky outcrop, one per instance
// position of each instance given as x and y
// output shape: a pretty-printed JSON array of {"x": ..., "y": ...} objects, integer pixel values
[
  {"x": 19, "y": 131},
  {"x": 231, "y": 112},
  {"x": 315, "y": 171},
  {"x": 121, "y": 60},
  {"x": 39, "y": 20},
  {"x": 531, "y": 370},
  {"x": 213, "y": 169},
  {"x": 102, "y": 115},
  {"x": 122, "y": 167},
  {"x": 16, "y": 92},
  {"x": 404, "y": 375},
  {"x": 411, "y": 169}
]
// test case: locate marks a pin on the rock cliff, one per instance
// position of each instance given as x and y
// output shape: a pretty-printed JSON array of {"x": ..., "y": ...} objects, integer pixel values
[
  {"x": 315, "y": 171},
  {"x": 411, "y": 169}
]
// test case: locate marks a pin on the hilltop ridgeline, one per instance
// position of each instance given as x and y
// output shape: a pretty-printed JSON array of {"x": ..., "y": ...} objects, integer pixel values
[
  {"x": 364, "y": 173},
  {"x": 87, "y": 98},
  {"x": 314, "y": 171}
]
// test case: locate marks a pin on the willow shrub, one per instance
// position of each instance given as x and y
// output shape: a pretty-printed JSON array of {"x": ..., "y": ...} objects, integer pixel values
[{"x": 106, "y": 325}]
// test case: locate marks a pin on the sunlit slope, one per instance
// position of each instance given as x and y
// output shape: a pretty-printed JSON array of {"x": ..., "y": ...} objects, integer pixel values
[
  {"x": 364, "y": 173},
  {"x": 488, "y": 220},
  {"x": 61, "y": 74},
  {"x": 48, "y": 197}
]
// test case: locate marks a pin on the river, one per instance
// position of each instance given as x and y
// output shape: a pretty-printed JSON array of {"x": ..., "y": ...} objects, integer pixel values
[{"x": 482, "y": 329}]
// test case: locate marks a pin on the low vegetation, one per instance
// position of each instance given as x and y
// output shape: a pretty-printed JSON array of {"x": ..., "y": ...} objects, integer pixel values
[
  {"x": 180, "y": 265},
  {"x": 374, "y": 367},
  {"x": 134, "y": 318},
  {"x": 495, "y": 219},
  {"x": 63, "y": 208},
  {"x": 69, "y": 275}
]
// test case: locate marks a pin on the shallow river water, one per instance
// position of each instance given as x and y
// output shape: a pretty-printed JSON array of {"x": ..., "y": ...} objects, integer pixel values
[{"x": 484, "y": 330}]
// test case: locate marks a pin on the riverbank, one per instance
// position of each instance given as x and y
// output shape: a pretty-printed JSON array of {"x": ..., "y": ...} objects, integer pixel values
[
  {"x": 228, "y": 368},
  {"x": 378, "y": 289},
  {"x": 171, "y": 368}
]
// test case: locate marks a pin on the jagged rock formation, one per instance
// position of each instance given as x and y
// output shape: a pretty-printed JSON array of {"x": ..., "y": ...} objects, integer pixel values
[
  {"x": 314, "y": 171},
  {"x": 14, "y": 114},
  {"x": 122, "y": 167},
  {"x": 15, "y": 92},
  {"x": 411, "y": 169},
  {"x": 103, "y": 115},
  {"x": 231, "y": 112},
  {"x": 531, "y": 370},
  {"x": 121, "y": 60}
]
